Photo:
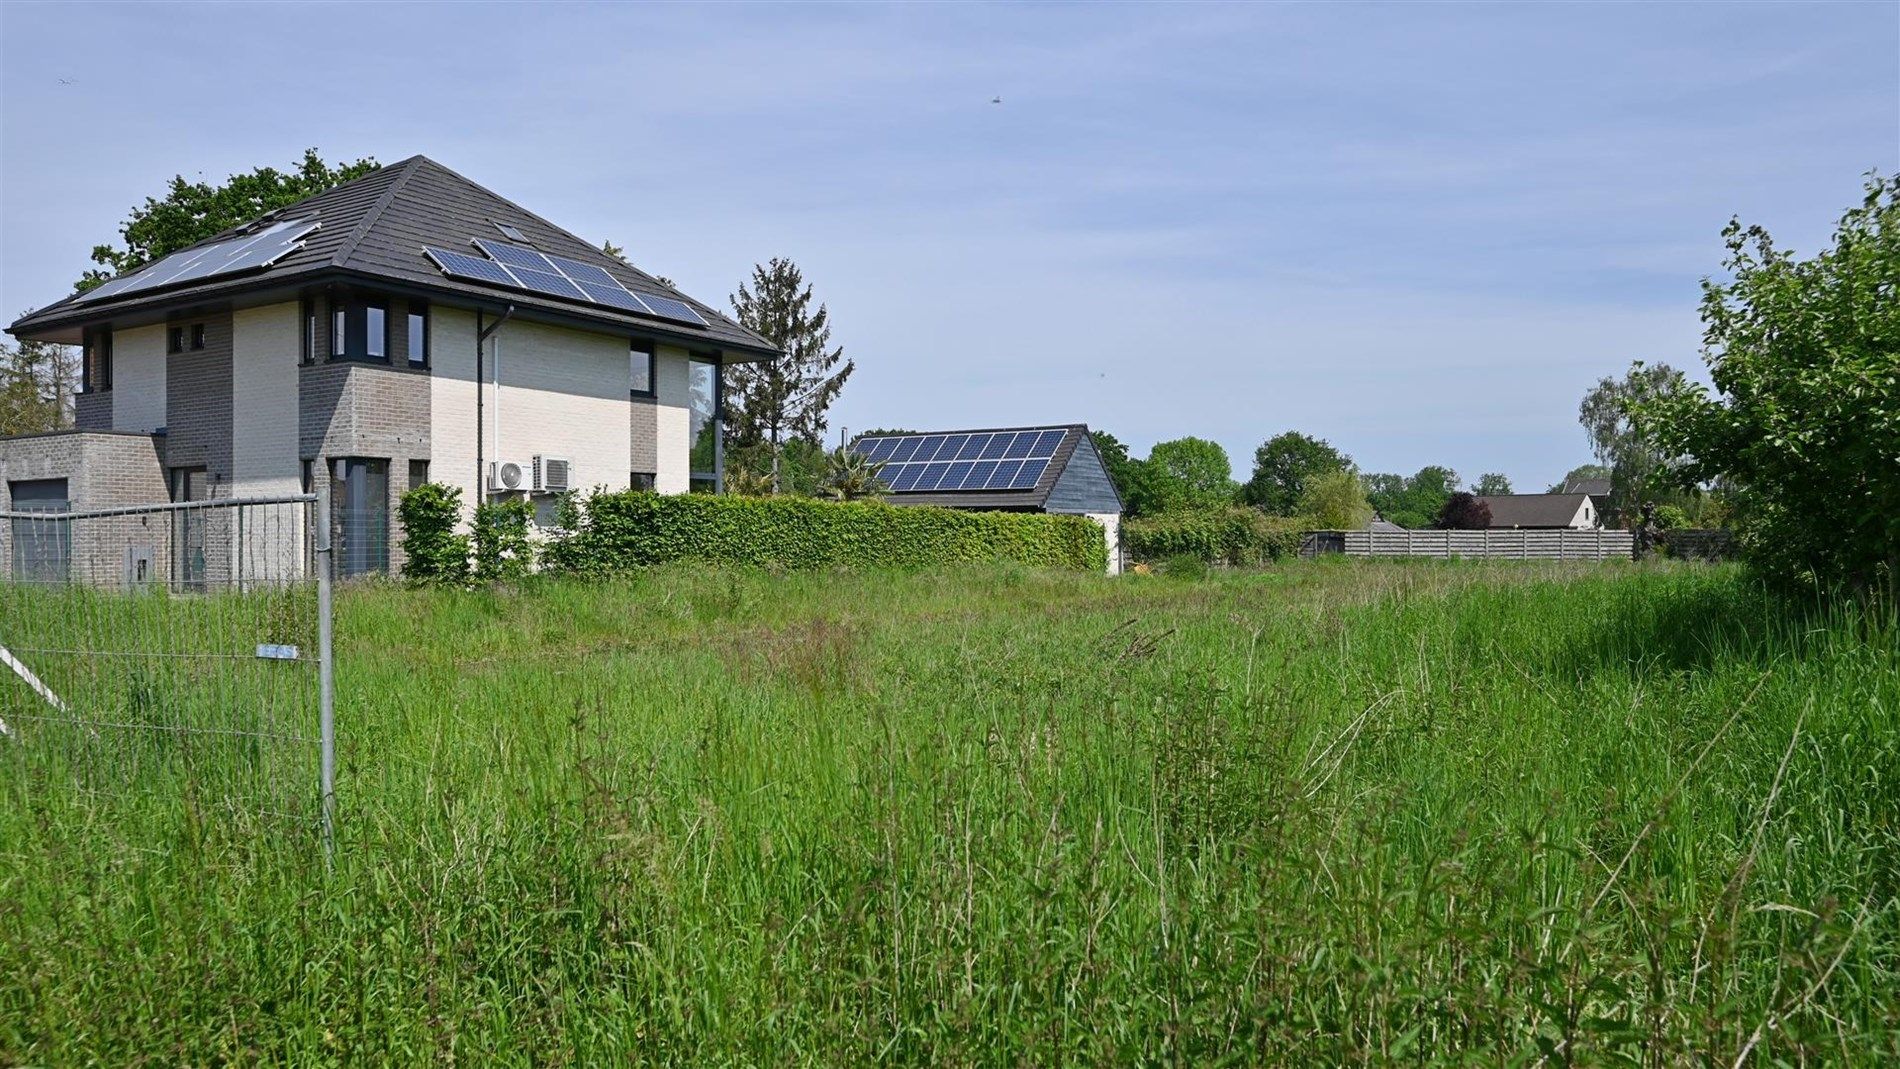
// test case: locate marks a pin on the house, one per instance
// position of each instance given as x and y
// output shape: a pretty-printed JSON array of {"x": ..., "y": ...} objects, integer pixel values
[
  {"x": 1574, "y": 512},
  {"x": 1054, "y": 468},
  {"x": 407, "y": 326},
  {"x": 1598, "y": 489}
]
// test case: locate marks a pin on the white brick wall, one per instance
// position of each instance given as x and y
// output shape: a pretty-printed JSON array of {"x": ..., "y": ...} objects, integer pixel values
[
  {"x": 138, "y": 379},
  {"x": 264, "y": 353}
]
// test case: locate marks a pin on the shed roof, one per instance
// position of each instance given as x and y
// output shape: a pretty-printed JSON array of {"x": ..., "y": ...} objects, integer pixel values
[
  {"x": 1533, "y": 510},
  {"x": 374, "y": 228},
  {"x": 1036, "y": 497}
]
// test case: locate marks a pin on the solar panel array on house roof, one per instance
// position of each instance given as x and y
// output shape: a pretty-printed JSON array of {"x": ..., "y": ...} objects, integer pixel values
[
  {"x": 246, "y": 252},
  {"x": 556, "y": 276},
  {"x": 963, "y": 462}
]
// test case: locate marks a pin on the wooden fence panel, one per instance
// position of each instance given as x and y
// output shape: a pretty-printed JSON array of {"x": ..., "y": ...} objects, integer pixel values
[{"x": 1510, "y": 544}]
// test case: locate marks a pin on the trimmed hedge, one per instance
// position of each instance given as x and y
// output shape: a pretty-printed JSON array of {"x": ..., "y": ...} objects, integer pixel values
[
  {"x": 617, "y": 532},
  {"x": 1229, "y": 535}
]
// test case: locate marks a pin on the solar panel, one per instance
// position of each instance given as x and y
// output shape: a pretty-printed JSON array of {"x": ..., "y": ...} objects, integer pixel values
[
  {"x": 244, "y": 253},
  {"x": 965, "y": 461},
  {"x": 613, "y": 295},
  {"x": 547, "y": 282},
  {"x": 581, "y": 272},
  {"x": 514, "y": 255},
  {"x": 462, "y": 265},
  {"x": 669, "y": 308}
]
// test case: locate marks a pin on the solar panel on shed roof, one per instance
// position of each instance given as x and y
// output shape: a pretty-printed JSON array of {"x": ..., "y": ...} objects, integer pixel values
[{"x": 963, "y": 462}]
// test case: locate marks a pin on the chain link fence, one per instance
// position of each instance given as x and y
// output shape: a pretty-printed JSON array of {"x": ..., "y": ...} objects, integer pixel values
[{"x": 178, "y": 650}]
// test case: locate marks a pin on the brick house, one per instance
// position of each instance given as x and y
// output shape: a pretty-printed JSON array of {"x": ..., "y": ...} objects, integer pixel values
[{"x": 408, "y": 326}]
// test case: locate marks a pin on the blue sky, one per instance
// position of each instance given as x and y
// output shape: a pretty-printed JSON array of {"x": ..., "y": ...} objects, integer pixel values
[{"x": 1418, "y": 231}]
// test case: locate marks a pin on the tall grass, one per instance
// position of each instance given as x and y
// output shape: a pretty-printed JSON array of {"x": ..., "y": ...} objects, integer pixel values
[{"x": 1363, "y": 813}]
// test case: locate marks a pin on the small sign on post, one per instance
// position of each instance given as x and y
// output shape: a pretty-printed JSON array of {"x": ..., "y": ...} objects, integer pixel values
[{"x": 273, "y": 652}]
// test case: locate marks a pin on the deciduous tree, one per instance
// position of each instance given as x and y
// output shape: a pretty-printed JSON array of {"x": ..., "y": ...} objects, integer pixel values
[
  {"x": 1492, "y": 483},
  {"x": 1282, "y": 467},
  {"x": 37, "y": 380},
  {"x": 1189, "y": 473},
  {"x": 1639, "y": 462},
  {"x": 1335, "y": 501},
  {"x": 1463, "y": 512}
]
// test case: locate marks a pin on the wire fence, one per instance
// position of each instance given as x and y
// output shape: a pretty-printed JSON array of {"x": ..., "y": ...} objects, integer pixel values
[{"x": 177, "y": 650}]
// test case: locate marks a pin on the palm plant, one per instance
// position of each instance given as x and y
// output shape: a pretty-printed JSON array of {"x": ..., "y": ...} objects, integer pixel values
[{"x": 852, "y": 476}]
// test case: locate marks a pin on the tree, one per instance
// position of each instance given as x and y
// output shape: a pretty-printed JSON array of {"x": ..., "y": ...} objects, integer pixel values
[
  {"x": 193, "y": 211},
  {"x": 36, "y": 387},
  {"x": 1188, "y": 473},
  {"x": 1283, "y": 465},
  {"x": 1123, "y": 470},
  {"x": 1805, "y": 358},
  {"x": 1578, "y": 474},
  {"x": 786, "y": 395},
  {"x": 1636, "y": 458},
  {"x": 1412, "y": 501},
  {"x": 1463, "y": 512},
  {"x": 1335, "y": 501},
  {"x": 1491, "y": 484}
]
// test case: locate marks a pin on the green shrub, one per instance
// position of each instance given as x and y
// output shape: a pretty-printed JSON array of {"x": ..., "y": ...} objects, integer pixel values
[
  {"x": 435, "y": 553},
  {"x": 617, "y": 532},
  {"x": 503, "y": 553},
  {"x": 1231, "y": 535}
]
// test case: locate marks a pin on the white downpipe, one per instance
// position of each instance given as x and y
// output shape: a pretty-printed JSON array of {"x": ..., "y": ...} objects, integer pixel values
[{"x": 26, "y": 674}]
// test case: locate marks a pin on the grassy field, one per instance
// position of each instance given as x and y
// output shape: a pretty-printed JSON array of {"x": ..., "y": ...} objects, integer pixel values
[{"x": 1332, "y": 812}]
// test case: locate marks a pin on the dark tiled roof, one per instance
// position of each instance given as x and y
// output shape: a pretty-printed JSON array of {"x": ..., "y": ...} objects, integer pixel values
[
  {"x": 1033, "y": 498},
  {"x": 1593, "y": 487},
  {"x": 375, "y": 227},
  {"x": 1533, "y": 510}
]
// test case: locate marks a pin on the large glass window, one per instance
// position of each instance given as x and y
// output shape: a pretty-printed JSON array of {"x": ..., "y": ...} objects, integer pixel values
[
  {"x": 376, "y": 331},
  {"x": 703, "y": 404},
  {"x": 42, "y": 544},
  {"x": 359, "y": 492},
  {"x": 640, "y": 367},
  {"x": 188, "y": 528},
  {"x": 418, "y": 334}
]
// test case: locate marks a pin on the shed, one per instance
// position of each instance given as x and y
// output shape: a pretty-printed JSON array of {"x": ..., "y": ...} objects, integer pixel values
[{"x": 1051, "y": 468}]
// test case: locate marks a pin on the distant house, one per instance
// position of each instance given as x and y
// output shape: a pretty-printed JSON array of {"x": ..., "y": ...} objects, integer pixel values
[
  {"x": 1006, "y": 469},
  {"x": 1575, "y": 512},
  {"x": 1598, "y": 489}
]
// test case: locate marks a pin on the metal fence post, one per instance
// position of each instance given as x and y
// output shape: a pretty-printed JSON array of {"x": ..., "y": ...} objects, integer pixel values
[{"x": 326, "y": 685}]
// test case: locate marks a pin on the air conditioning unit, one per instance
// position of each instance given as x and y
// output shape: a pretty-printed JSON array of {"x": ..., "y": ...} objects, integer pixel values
[
  {"x": 551, "y": 474},
  {"x": 506, "y": 475}
]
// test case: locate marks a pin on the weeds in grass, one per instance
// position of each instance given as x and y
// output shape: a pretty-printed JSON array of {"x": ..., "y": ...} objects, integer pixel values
[{"x": 1387, "y": 813}]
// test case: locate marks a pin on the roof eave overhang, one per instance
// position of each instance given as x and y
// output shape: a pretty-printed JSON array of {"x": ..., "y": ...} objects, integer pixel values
[{"x": 66, "y": 324}]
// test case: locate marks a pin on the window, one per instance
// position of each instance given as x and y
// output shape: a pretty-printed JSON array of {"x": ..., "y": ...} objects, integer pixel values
[
  {"x": 418, "y": 334},
  {"x": 95, "y": 370},
  {"x": 418, "y": 473},
  {"x": 512, "y": 234},
  {"x": 339, "y": 333},
  {"x": 175, "y": 340},
  {"x": 640, "y": 480},
  {"x": 376, "y": 331},
  {"x": 359, "y": 491},
  {"x": 197, "y": 336},
  {"x": 309, "y": 355},
  {"x": 42, "y": 547},
  {"x": 703, "y": 419},
  {"x": 640, "y": 364},
  {"x": 309, "y": 475}
]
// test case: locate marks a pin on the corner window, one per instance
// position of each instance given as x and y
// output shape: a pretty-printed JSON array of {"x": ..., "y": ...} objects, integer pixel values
[
  {"x": 376, "y": 331},
  {"x": 95, "y": 370},
  {"x": 174, "y": 340},
  {"x": 640, "y": 365},
  {"x": 418, "y": 334},
  {"x": 703, "y": 422}
]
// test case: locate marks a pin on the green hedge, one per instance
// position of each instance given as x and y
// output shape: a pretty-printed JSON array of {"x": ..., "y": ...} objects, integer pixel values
[
  {"x": 1230, "y": 535},
  {"x": 616, "y": 532}
]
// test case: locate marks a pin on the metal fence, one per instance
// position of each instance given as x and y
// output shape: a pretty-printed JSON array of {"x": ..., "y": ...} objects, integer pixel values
[
  {"x": 1495, "y": 545},
  {"x": 177, "y": 649}
]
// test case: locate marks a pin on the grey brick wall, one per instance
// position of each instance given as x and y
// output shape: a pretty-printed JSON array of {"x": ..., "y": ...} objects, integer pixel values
[
  {"x": 102, "y": 470},
  {"x": 198, "y": 401},
  {"x": 93, "y": 411}
]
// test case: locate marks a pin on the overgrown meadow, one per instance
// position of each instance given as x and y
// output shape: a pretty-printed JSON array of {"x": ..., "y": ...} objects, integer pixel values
[{"x": 1329, "y": 812}]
